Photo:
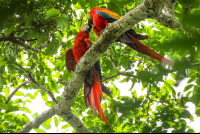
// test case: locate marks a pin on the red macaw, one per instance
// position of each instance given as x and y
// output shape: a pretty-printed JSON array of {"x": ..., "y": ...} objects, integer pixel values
[
  {"x": 71, "y": 63},
  {"x": 93, "y": 82},
  {"x": 100, "y": 17}
]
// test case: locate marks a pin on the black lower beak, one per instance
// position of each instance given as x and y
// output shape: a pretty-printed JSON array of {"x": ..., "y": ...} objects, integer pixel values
[{"x": 89, "y": 28}]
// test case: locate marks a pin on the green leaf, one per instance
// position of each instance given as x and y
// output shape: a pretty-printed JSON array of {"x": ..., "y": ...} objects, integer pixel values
[
  {"x": 197, "y": 111},
  {"x": 56, "y": 121},
  {"x": 173, "y": 76},
  {"x": 171, "y": 82},
  {"x": 17, "y": 101},
  {"x": 50, "y": 48},
  {"x": 124, "y": 61},
  {"x": 187, "y": 95},
  {"x": 12, "y": 59},
  {"x": 188, "y": 87},
  {"x": 195, "y": 3},
  {"x": 196, "y": 89},
  {"x": 53, "y": 85},
  {"x": 185, "y": 114},
  {"x": 62, "y": 21},
  {"x": 27, "y": 110},
  {"x": 124, "y": 80},
  {"x": 39, "y": 130},
  {"x": 191, "y": 80},
  {"x": 195, "y": 99},
  {"x": 7, "y": 91},
  {"x": 2, "y": 98},
  {"x": 92, "y": 3},
  {"x": 44, "y": 96},
  {"x": 29, "y": 95},
  {"x": 30, "y": 17},
  {"x": 4, "y": 106},
  {"x": 25, "y": 118},
  {"x": 66, "y": 126},
  {"x": 19, "y": 93},
  {"x": 34, "y": 115},
  {"x": 40, "y": 37},
  {"x": 35, "y": 94},
  {"x": 52, "y": 12},
  {"x": 113, "y": 7},
  {"x": 50, "y": 104},
  {"x": 184, "y": 3},
  {"x": 168, "y": 86},
  {"x": 10, "y": 29},
  {"x": 190, "y": 131},
  {"x": 47, "y": 124}
]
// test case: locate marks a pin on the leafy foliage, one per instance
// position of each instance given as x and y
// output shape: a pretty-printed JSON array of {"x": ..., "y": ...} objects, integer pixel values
[{"x": 45, "y": 24}]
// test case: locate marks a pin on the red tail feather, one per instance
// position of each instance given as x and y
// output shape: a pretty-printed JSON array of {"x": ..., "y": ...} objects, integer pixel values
[
  {"x": 98, "y": 106},
  {"x": 148, "y": 51},
  {"x": 92, "y": 101},
  {"x": 97, "y": 84}
]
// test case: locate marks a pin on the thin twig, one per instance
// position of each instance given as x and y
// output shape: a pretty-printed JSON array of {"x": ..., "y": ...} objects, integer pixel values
[
  {"x": 37, "y": 84},
  {"x": 18, "y": 42},
  {"x": 38, "y": 120},
  {"x": 31, "y": 60},
  {"x": 28, "y": 40},
  {"x": 11, "y": 95},
  {"x": 110, "y": 77},
  {"x": 113, "y": 63}
]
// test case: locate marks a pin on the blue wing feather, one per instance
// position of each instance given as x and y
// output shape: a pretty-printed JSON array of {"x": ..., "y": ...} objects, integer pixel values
[{"x": 106, "y": 16}]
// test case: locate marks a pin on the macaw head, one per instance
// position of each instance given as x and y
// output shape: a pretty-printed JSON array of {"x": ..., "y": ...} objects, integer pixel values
[
  {"x": 85, "y": 28},
  {"x": 89, "y": 24}
]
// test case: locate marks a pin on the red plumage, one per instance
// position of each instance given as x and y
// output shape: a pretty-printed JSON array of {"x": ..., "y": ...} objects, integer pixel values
[
  {"x": 69, "y": 60},
  {"x": 93, "y": 86},
  {"x": 100, "y": 17}
]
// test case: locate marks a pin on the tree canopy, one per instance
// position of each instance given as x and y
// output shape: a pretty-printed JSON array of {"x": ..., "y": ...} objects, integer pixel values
[{"x": 35, "y": 35}]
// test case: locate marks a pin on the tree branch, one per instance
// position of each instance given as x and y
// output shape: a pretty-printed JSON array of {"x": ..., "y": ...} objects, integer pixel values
[
  {"x": 169, "y": 21},
  {"x": 39, "y": 120},
  {"x": 113, "y": 63},
  {"x": 110, "y": 77},
  {"x": 28, "y": 40},
  {"x": 11, "y": 95},
  {"x": 75, "y": 122},
  {"x": 169, "y": 7},
  {"x": 37, "y": 84},
  {"x": 18, "y": 42}
]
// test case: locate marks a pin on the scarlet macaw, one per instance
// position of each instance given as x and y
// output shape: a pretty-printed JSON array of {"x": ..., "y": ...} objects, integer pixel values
[
  {"x": 100, "y": 17},
  {"x": 93, "y": 83},
  {"x": 71, "y": 63}
]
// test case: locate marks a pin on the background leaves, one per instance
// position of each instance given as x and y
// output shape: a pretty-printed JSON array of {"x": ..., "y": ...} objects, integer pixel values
[{"x": 50, "y": 26}]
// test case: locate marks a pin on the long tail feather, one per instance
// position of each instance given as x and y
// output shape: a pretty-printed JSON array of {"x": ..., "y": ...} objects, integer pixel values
[
  {"x": 98, "y": 106},
  {"x": 92, "y": 101},
  {"x": 137, "y": 36},
  {"x": 97, "y": 84},
  {"x": 140, "y": 47},
  {"x": 86, "y": 93}
]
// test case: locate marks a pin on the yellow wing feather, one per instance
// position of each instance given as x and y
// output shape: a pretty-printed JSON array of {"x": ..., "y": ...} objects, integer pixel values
[{"x": 112, "y": 14}]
